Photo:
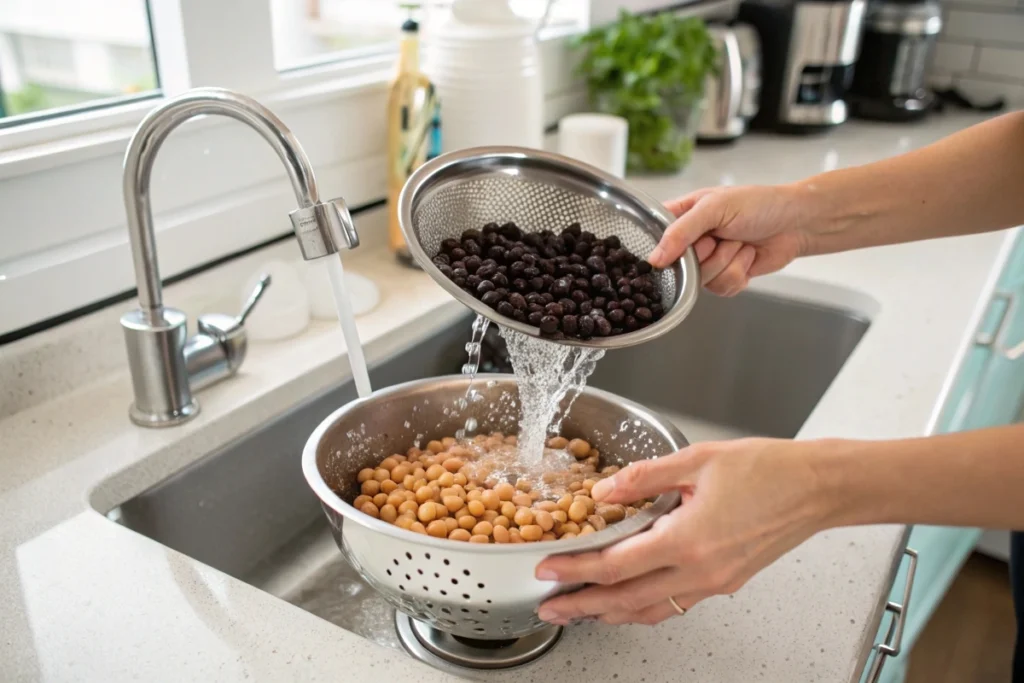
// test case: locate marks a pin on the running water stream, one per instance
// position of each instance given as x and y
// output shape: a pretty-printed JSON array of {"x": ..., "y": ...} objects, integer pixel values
[{"x": 356, "y": 359}]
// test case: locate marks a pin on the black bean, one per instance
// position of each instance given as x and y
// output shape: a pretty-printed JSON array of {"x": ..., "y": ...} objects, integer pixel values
[
  {"x": 631, "y": 323},
  {"x": 612, "y": 306},
  {"x": 535, "y": 308},
  {"x": 517, "y": 300},
  {"x": 459, "y": 253},
  {"x": 574, "y": 229},
  {"x": 534, "y": 318},
  {"x": 471, "y": 234},
  {"x": 518, "y": 268},
  {"x": 520, "y": 285},
  {"x": 487, "y": 270},
  {"x": 459, "y": 281},
  {"x": 596, "y": 264},
  {"x": 500, "y": 279},
  {"x": 582, "y": 249},
  {"x": 575, "y": 258},
  {"x": 586, "y": 307},
  {"x": 533, "y": 298},
  {"x": 519, "y": 315},
  {"x": 657, "y": 310},
  {"x": 497, "y": 252},
  {"x": 568, "y": 305},
  {"x": 548, "y": 324},
  {"x": 568, "y": 240},
  {"x": 602, "y": 327},
  {"x": 599, "y": 250},
  {"x": 609, "y": 293},
  {"x": 599, "y": 281},
  {"x": 490, "y": 228},
  {"x": 471, "y": 247},
  {"x": 446, "y": 270},
  {"x": 473, "y": 281},
  {"x": 530, "y": 271},
  {"x": 640, "y": 300},
  {"x": 615, "y": 256},
  {"x": 643, "y": 267},
  {"x": 484, "y": 287},
  {"x": 502, "y": 291},
  {"x": 505, "y": 309},
  {"x": 511, "y": 231},
  {"x": 536, "y": 283},
  {"x": 503, "y": 270},
  {"x": 458, "y": 264},
  {"x": 570, "y": 325},
  {"x": 563, "y": 269},
  {"x": 586, "y": 327},
  {"x": 625, "y": 291},
  {"x": 598, "y": 313},
  {"x": 612, "y": 242},
  {"x": 580, "y": 295},
  {"x": 617, "y": 316},
  {"x": 547, "y": 267},
  {"x": 533, "y": 239},
  {"x": 547, "y": 297},
  {"x": 561, "y": 287},
  {"x": 460, "y": 272},
  {"x": 472, "y": 264},
  {"x": 548, "y": 251},
  {"x": 581, "y": 284},
  {"x": 442, "y": 258},
  {"x": 450, "y": 244},
  {"x": 616, "y": 331},
  {"x": 644, "y": 315},
  {"x": 638, "y": 283},
  {"x": 600, "y": 302},
  {"x": 628, "y": 305},
  {"x": 554, "y": 309},
  {"x": 515, "y": 254}
]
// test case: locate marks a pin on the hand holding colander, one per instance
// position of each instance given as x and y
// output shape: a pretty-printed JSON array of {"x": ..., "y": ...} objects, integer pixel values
[{"x": 539, "y": 190}]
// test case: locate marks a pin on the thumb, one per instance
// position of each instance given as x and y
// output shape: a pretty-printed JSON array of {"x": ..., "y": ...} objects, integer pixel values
[
  {"x": 648, "y": 478},
  {"x": 695, "y": 221}
]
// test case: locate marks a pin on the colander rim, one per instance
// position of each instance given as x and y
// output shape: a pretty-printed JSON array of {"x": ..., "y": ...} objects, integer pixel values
[
  {"x": 663, "y": 504},
  {"x": 687, "y": 268}
]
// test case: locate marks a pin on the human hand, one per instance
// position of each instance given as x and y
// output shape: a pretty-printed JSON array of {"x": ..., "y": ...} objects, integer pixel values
[
  {"x": 737, "y": 232},
  {"x": 745, "y": 504}
]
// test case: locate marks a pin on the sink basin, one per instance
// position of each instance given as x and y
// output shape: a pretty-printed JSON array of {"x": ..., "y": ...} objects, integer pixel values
[{"x": 750, "y": 365}]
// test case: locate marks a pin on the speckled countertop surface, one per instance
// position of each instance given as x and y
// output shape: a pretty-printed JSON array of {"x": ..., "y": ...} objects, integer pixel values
[{"x": 85, "y": 599}]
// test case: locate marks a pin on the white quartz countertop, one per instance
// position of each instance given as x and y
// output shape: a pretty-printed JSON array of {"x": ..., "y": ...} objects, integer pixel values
[{"x": 86, "y": 599}]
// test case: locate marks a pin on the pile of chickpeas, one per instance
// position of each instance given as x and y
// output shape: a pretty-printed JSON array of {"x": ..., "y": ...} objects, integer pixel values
[{"x": 461, "y": 491}]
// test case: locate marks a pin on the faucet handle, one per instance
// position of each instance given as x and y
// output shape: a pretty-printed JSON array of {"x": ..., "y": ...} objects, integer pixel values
[{"x": 257, "y": 294}]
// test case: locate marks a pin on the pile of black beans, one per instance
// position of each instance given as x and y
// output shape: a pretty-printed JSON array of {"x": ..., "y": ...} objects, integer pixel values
[{"x": 569, "y": 284}]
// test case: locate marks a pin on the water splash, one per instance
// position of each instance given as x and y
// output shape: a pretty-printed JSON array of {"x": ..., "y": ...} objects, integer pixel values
[{"x": 474, "y": 348}]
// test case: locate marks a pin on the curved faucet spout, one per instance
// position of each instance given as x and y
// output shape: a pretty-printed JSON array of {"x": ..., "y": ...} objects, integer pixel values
[{"x": 322, "y": 228}]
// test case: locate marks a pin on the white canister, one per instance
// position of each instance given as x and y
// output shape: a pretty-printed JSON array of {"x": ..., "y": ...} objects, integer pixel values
[{"x": 601, "y": 140}]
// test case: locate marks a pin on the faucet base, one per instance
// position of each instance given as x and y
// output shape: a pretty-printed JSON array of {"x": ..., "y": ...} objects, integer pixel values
[{"x": 171, "y": 419}]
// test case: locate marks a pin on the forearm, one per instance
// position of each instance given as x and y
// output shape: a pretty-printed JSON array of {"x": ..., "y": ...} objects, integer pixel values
[
  {"x": 964, "y": 479},
  {"x": 969, "y": 182}
]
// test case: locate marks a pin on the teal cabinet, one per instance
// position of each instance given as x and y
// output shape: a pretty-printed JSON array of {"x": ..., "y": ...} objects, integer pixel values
[{"x": 988, "y": 391}]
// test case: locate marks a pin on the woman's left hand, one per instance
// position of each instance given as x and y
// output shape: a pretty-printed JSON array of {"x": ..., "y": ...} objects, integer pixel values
[{"x": 745, "y": 504}]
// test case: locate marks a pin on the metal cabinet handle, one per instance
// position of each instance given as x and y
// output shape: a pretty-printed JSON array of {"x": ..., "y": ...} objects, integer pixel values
[
  {"x": 994, "y": 340},
  {"x": 894, "y": 636}
]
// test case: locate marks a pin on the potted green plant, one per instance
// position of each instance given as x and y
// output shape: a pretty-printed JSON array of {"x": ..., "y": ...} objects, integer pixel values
[{"x": 651, "y": 70}]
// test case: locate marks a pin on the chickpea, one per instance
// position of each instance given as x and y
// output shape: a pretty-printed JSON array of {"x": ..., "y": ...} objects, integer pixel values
[
  {"x": 586, "y": 529},
  {"x": 460, "y": 479},
  {"x": 514, "y": 536},
  {"x": 459, "y": 535},
  {"x": 405, "y": 522},
  {"x": 588, "y": 503},
  {"x": 388, "y": 513},
  {"x": 501, "y": 534},
  {"x": 549, "y": 536},
  {"x": 479, "y": 539},
  {"x": 435, "y": 446},
  {"x": 408, "y": 482},
  {"x": 597, "y": 522},
  {"x": 612, "y": 513},
  {"x": 524, "y": 516},
  {"x": 544, "y": 521},
  {"x": 365, "y": 474},
  {"x": 396, "y": 498},
  {"x": 475, "y": 494},
  {"x": 501, "y": 520},
  {"x": 426, "y": 513},
  {"x": 423, "y": 494},
  {"x": 447, "y": 479},
  {"x": 440, "y": 511},
  {"x": 631, "y": 511},
  {"x": 453, "y": 464},
  {"x": 567, "y": 528},
  {"x": 508, "y": 509},
  {"x": 400, "y": 472},
  {"x": 419, "y": 473},
  {"x": 565, "y": 502},
  {"x": 448, "y": 442},
  {"x": 578, "y": 511},
  {"x": 437, "y": 529},
  {"x": 467, "y": 522},
  {"x": 579, "y": 448},
  {"x": 434, "y": 472},
  {"x": 490, "y": 515},
  {"x": 380, "y": 500},
  {"x": 360, "y": 501},
  {"x": 566, "y": 536},
  {"x": 370, "y": 487},
  {"x": 575, "y": 486},
  {"x": 558, "y": 442},
  {"x": 408, "y": 506},
  {"x": 505, "y": 491},
  {"x": 547, "y": 505},
  {"x": 531, "y": 532},
  {"x": 418, "y": 528},
  {"x": 381, "y": 474},
  {"x": 611, "y": 469},
  {"x": 524, "y": 485},
  {"x": 388, "y": 486},
  {"x": 483, "y": 529},
  {"x": 370, "y": 509},
  {"x": 491, "y": 500},
  {"x": 476, "y": 507},
  {"x": 522, "y": 500},
  {"x": 453, "y": 503},
  {"x": 588, "y": 485},
  {"x": 560, "y": 516},
  {"x": 451, "y": 524}
]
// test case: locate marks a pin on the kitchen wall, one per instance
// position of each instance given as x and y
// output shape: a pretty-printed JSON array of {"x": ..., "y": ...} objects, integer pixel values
[{"x": 981, "y": 48}]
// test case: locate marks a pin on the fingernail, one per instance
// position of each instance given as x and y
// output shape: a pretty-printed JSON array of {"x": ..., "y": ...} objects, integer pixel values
[
  {"x": 547, "y": 614},
  {"x": 655, "y": 258},
  {"x": 546, "y": 575},
  {"x": 603, "y": 488}
]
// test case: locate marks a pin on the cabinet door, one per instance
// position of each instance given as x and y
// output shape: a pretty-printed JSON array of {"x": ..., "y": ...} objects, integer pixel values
[{"x": 988, "y": 391}]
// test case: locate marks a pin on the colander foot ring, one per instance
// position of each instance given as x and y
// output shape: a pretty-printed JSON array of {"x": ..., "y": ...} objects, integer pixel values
[{"x": 446, "y": 652}]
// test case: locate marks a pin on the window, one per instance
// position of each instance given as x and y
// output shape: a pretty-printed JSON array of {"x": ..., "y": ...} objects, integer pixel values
[{"x": 63, "y": 54}]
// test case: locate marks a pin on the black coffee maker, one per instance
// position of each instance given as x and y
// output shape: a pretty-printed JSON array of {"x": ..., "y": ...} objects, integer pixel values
[
  {"x": 889, "y": 81},
  {"x": 808, "y": 50}
]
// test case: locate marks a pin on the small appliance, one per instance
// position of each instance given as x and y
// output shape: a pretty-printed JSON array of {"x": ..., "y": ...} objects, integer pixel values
[
  {"x": 808, "y": 50},
  {"x": 733, "y": 93},
  {"x": 889, "y": 81}
]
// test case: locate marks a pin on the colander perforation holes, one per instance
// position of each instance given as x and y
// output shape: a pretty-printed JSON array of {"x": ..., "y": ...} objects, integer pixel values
[
  {"x": 483, "y": 611},
  {"x": 455, "y": 582},
  {"x": 389, "y": 572},
  {"x": 444, "y": 592},
  {"x": 408, "y": 556},
  {"x": 420, "y": 572},
  {"x": 465, "y": 572},
  {"x": 437, "y": 575},
  {"x": 396, "y": 562},
  {"x": 408, "y": 578},
  {"x": 464, "y": 610},
  {"x": 447, "y": 562},
  {"x": 480, "y": 586},
  {"x": 466, "y": 596},
  {"x": 445, "y": 610}
]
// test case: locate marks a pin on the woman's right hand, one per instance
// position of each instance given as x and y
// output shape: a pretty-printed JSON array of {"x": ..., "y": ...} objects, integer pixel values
[{"x": 738, "y": 233}]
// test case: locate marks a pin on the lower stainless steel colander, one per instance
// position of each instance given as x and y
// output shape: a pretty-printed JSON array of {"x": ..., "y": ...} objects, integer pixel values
[
  {"x": 539, "y": 190},
  {"x": 469, "y": 590}
]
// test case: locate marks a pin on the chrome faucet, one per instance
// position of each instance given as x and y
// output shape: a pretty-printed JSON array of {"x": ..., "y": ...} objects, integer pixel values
[{"x": 166, "y": 365}]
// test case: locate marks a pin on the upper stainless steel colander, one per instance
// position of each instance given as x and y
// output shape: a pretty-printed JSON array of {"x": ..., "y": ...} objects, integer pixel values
[{"x": 539, "y": 190}]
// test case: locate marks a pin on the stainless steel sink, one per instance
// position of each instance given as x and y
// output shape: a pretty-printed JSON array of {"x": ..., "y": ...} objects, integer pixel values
[{"x": 749, "y": 365}]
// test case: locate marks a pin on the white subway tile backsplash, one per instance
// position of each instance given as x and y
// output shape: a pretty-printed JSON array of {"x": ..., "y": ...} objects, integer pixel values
[
  {"x": 999, "y": 61},
  {"x": 979, "y": 88},
  {"x": 1002, "y": 27},
  {"x": 953, "y": 57}
]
